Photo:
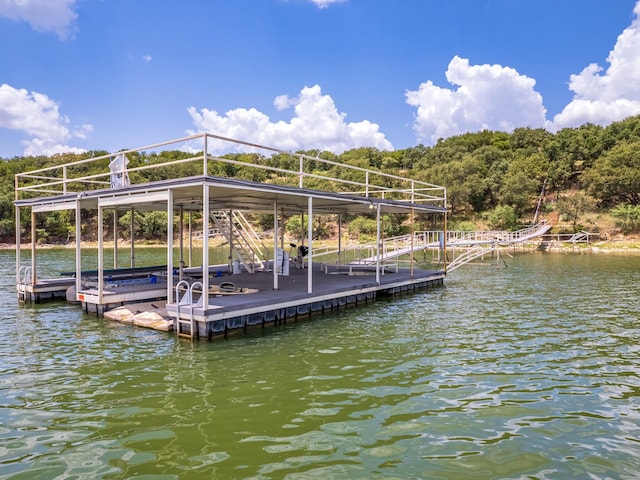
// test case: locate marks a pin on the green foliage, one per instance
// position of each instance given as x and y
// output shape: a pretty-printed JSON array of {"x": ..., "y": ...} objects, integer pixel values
[
  {"x": 503, "y": 217},
  {"x": 462, "y": 226},
  {"x": 628, "y": 216},
  {"x": 154, "y": 225},
  {"x": 294, "y": 227},
  {"x": 263, "y": 221},
  {"x": 7, "y": 217},
  {"x": 518, "y": 192},
  {"x": 615, "y": 176},
  {"x": 124, "y": 222},
  {"x": 572, "y": 151},
  {"x": 573, "y": 206},
  {"x": 484, "y": 173},
  {"x": 146, "y": 225},
  {"x": 362, "y": 228},
  {"x": 42, "y": 236},
  {"x": 58, "y": 225}
]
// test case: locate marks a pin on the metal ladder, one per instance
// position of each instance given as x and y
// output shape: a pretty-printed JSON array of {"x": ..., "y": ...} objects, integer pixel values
[
  {"x": 24, "y": 279},
  {"x": 187, "y": 301},
  {"x": 246, "y": 244}
]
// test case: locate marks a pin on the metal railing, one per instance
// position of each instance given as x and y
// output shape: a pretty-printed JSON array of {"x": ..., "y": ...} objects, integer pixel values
[
  {"x": 187, "y": 301},
  {"x": 340, "y": 177},
  {"x": 470, "y": 244},
  {"x": 247, "y": 245}
]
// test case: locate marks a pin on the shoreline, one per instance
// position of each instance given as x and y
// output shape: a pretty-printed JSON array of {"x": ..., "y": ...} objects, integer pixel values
[{"x": 600, "y": 247}]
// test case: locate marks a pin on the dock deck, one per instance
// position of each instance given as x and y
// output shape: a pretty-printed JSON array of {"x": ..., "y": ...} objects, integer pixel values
[{"x": 331, "y": 291}]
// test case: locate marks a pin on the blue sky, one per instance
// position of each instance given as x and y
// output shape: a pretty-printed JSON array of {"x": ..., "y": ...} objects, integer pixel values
[{"x": 80, "y": 75}]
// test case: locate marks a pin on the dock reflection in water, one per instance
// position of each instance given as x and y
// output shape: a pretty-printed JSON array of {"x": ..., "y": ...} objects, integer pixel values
[{"x": 529, "y": 371}]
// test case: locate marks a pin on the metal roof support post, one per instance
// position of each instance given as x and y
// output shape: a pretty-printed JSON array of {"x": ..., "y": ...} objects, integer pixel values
[
  {"x": 310, "y": 251},
  {"x": 231, "y": 247},
  {"x": 33, "y": 247},
  {"x": 378, "y": 241},
  {"x": 170, "y": 247},
  {"x": 205, "y": 167},
  {"x": 444, "y": 237},
  {"x": 16, "y": 185},
  {"x": 100, "y": 259},
  {"x": 132, "y": 233},
  {"x": 275, "y": 212},
  {"x": 206, "y": 217},
  {"x": 190, "y": 239},
  {"x": 413, "y": 219},
  {"x": 300, "y": 181},
  {"x": 412, "y": 241},
  {"x": 181, "y": 271},
  {"x": 115, "y": 238},
  {"x": 366, "y": 187},
  {"x": 275, "y": 247},
  {"x": 78, "y": 248},
  {"x": 18, "y": 240},
  {"x": 339, "y": 237}
]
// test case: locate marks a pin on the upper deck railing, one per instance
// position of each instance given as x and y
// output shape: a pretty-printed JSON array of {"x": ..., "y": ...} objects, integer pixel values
[{"x": 299, "y": 170}]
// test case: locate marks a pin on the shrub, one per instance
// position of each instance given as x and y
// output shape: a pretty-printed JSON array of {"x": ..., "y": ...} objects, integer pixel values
[
  {"x": 628, "y": 216},
  {"x": 502, "y": 218}
]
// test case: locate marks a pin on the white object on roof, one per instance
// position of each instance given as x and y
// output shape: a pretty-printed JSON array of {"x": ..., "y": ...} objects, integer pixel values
[{"x": 119, "y": 174}]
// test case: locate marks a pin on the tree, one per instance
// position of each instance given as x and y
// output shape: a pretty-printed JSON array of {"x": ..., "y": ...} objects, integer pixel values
[
  {"x": 615, "y": 176},
  {"x": 503, "y": 217},
  {"x": 571, "y": 152},
  {"x": 627, "y": 130},
  {"x": 573, "y": 206},
  {"x": 628, "y": 216},
  {"x": 530, "y": 140},
  {"x": 7, "y": 218},
  {"x": 518, "y": 190}
]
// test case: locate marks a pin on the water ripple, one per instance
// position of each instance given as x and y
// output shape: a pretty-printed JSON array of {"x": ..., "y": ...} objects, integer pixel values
[{"x": 526, "y": 372}]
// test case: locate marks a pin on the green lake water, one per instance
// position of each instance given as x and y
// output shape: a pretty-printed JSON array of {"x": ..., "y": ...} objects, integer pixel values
[{"x": 527, "y": 371}]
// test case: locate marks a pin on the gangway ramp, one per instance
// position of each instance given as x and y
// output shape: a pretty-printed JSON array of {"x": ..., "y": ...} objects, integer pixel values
[{"x": 478, "y": 242}]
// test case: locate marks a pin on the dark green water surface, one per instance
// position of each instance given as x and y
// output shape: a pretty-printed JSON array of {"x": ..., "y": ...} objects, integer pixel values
[{"x": 529, "y": 371}]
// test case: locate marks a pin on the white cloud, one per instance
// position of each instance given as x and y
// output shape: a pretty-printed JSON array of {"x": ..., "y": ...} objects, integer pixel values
[
  {"x": 82, "y": 131},
  {"x": 147, "y": 58},
  {"x": 602, "y": 97},
  {"x": 43, "y": 15},
  {"x": 38, "y": 117},
  {"x": 326, "y": 3},
  {"x": 316, "y": 124},
  {"x": 488, "y": 97},
  {"x": 282, "y": 102},
  {"x": 37, "y": 147},
  {"x": 499, "y": 98}
]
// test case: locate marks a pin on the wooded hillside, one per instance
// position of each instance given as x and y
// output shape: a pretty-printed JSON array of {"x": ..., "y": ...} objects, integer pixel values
[{"x": 495, "y": 178}]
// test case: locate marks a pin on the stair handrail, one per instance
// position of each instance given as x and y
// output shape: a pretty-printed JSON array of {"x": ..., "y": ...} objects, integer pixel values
[
  {"x": 238, "y": 231},
  {"x": 253, "y": 239}
]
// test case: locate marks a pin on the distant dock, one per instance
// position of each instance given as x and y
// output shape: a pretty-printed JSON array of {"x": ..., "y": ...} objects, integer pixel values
[{"x": 262, "y": 283}]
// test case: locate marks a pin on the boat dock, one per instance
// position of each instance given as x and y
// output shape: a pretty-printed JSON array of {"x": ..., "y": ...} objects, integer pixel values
[
  {"x": 264, "y": 281},
  {"x": 251, "y": 301}
]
